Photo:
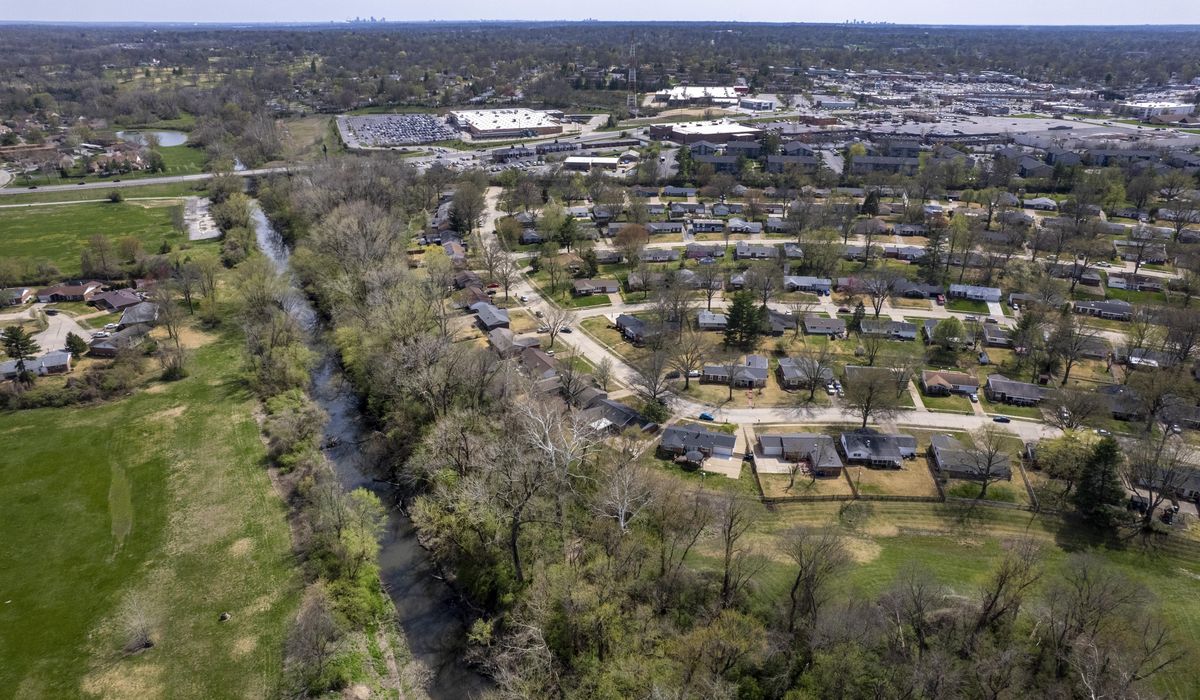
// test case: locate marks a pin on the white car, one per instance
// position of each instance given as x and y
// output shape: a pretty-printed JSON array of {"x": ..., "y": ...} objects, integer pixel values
[
  {"x": 1102, "y": 264},
  {"x": 974, "y": 398},
  {"x": 523, "y": 298},
  {"x": 110, "y": 326},
  {"x": 100, "y": 334}
]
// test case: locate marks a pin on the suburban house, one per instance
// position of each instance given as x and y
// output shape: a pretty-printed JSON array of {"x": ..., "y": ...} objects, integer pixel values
[
  {"x": 737, "y": 225},
  {"x": 656, "y": 227},
  {"x": 711, "y": 321},
  {"x": 820, "y": 325},
  {"x": 123, "y": 339},
  {"x": 15, "y": 296},
  {"x": 970, "y": 291},
  {"x": 489, "y": 316},
  {"x": 82, "y": 291},
  {"x": 995, "y": 336},
  {"x": 1123, "y": 402},
  {"x": 659, "y": 255},
  {"x": 950, "y": 459},
  {"x": 752, "y": 373},
  {"x": 800, "y": 283},
  {"x": 877, "y": 449},
  {"x": 794, "y": 372},
  {"x": 673, "y": 191},
  {"x": 634, "y": 329},
  {"x": 817, "y": 452},
  {"x": 910, "y": 230},
  {"x": 143, "y": 313},
  {"x": 1140, "y": 283},
  {"x": 506, "y": 344},
  {"x": 57, "y": 362},
  {"x": 698, "y": 251},
  {"x": 896, "y": 330},
  {"x": 1004, "y": 390},
  {"x": 530, "y": 236},
  {"x": 1040, "y": 204},
  {"x": 708, "y": 225},
  {"x": 605, "y": 414},
  {"x": 779, "y": 323},
  {"x": 792, "y": 251},
  {"x": 754, "y": 251},
  {"x": 116, "y": 301},
  {"x": 946, "y": 382},
  {"x": 1153, "y": 253},
  {"x": 1114, "y": 309},
  {"x": 466, "y": 278},
  {"x": 695, "y": 444},
  {"x": 586, "y": 288},
  {"x": 918, "y": 290}
]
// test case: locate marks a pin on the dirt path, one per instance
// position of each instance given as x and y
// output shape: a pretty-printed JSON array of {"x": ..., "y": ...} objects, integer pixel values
[{"x": 389, "y": 658}]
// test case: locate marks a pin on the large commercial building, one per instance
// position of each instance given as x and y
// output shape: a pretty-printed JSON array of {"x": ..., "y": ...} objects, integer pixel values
[
  {"x": 1148, "y": 110},
  {"x": 698, "y": 95},
  {"x": 517, "y": 122},
  {"x": 713, "y": 132}
]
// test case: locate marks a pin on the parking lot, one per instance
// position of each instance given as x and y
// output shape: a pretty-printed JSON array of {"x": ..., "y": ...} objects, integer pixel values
[{"x": 398, "y": 129}]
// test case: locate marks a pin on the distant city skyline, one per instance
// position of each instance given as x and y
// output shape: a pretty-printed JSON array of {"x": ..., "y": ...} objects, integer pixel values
[{"x": 1015, "y": 12}]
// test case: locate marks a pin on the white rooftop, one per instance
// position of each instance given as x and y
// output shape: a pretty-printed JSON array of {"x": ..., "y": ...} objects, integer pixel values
[
  {"x": 492, "y": 119},
  {"x": 715, "y": 128}
]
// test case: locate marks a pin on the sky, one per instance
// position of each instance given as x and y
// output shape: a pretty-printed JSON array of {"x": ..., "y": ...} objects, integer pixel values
[{"x": 1019, "y": 12}]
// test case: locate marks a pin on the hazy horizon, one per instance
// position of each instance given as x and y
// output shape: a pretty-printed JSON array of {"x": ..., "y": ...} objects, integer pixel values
[{"x": 934, "y": 12}]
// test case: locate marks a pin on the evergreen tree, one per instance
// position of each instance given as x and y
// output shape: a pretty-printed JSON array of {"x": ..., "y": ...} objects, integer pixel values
[
  {"x": 20, "y": 346},
  {"x": 929, "y": 267},
  {"x": 744, "y": 322},
  {"x": 1099, "y": 495},
  {"x": 78, "y": 346},
  {"x": 860, "y": 312}
]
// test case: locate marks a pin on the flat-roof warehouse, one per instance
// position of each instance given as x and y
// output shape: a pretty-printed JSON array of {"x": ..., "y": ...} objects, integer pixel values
[
  {"x": 504, "y": 123},
  {"x": 713, "y": 131}
]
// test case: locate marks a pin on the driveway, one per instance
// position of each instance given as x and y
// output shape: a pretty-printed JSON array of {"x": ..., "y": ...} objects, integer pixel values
[{"x": 57, "y": 328}]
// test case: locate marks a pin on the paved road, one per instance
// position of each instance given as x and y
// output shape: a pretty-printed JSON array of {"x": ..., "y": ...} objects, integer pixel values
[
  {"x": 166, "y": 180},
  {"x": 57, "y": 328}
]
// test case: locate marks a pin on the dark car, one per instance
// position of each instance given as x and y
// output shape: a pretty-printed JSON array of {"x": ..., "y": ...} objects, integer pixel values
[{"x": 1002, "y": 419}]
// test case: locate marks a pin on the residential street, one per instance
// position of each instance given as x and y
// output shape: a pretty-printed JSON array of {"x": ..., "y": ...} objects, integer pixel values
[{"x": 57, "y": 328}]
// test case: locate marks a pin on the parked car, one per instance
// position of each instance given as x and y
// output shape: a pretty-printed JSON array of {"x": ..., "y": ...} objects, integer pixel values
[
  {"x": 543, "y": 329},
  {"x": 523, "y": 298},
  {"x": 1002, "y": 419},
  {"x": 538, "y": 313},
  {"x": 1103, "y": 433},
  {"x": 693, "y": 374},
  {"x": 706, "y": 416},
  {"x": 941, "y": 300},
  {"x": 565, "y": 329},
  {"x": 673, "y": 374},
  {"x": 51, "y": 312},
  {"x": 110, "y": 326},
  {"x": 100, "y": 334},
  {"x": 974, "y": 398},
  {"x": 1102, "y": 264}
]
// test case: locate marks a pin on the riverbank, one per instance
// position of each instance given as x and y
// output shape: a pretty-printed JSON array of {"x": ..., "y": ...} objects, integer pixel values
[{"x": 421, "y": 604}]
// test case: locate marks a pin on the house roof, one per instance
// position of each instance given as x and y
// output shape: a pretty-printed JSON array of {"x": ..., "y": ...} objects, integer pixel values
[
  {"x": 814, "y": 322},
  {"x": 688, "y": 438},
  {"x": 947, "y": 378},
  {"x": 878, "y": 446},
  {"x": 951, "y": 455},
  {"x": 145, "y": 312},
  {"x": 818, "y": 449},
  {"x": 1009, "y": 387}
]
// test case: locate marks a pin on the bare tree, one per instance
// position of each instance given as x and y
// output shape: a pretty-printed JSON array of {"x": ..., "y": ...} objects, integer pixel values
[
  {"x": 1071, "y": 409},
  {"x": 872, "y": 344},
  {"x": 988, "y": 457},
  {"x": 871, "y": 395},
  {"x": 507, "y": 274},
  {"x": 912, "y": 600},
  {"x": 677, "y": 518},
  {"x": 710, "y": 279},
  {"x": 1157, "y": 464},
  {"x": 624, "y": 493},
  {"x": 738, "y": 563},
  {"x": 688, "y": 355},
  {"x": 816, "y": 368},
  {"x": 313, "y": 638},
  {"x": 649, "y": 378},
  {"x": 819, "y": 555},
  {"x": 556, "y": 318},
  {"x": 1070, "y": 340},
  {"x": 878, "y": 287},
  {"x": 603, "y": 373},
  {"x": 1003, "y": 593},
  {"x": 763, "y": 280}
]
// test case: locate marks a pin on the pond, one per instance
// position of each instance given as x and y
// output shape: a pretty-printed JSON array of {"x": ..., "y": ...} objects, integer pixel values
[{"x": 166, "y": 139}]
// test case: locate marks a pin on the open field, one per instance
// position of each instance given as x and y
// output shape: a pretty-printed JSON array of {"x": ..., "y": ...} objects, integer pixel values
[
  {"x": 961, "y": 549},
  {"x": 176, "y": 189},
  {"x": 158, "y": 503},
  {"x": 60, "y": 233}
]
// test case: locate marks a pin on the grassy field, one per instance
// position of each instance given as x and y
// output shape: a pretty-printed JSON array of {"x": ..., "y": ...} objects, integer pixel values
[
  {"x": 60, "y": 233},
  {"x": 178, "y": 189},
  {"x": 158, "y": 503},
  {"x": 960, "y": 547},
  {"x": 968, "y": 305}
]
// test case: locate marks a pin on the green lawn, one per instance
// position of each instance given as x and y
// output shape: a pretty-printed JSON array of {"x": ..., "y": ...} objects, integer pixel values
[
  {"x": 178, "y": 189},
  {"x": 585, "y": 302},
  {"x": 60, "y": 233},
  {"x": 160, "y": 498},
  {"x": 960, "y": 404},
  {"x": 967, "y": 305}
]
